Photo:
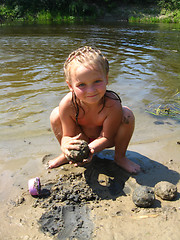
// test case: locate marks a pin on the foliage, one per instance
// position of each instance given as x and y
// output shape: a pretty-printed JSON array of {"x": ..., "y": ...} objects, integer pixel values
[
  {"x": 169, "y": 4},
  {"x": 166, "y": 16},
  {"x": 65, "y": 7},
  {"x": 68, "y": 10},
  {"x": 7, "y": 13}
]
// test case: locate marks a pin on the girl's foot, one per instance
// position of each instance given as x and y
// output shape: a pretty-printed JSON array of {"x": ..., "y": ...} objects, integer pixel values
[
  {"x": 128, "y": 165},
  {"x": 56, "y": 162}
]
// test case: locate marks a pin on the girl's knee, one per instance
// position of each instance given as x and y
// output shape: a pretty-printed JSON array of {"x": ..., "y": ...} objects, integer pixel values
[
  {"x": 128, "y": 116},
  {"x": 54, "y": 116}
]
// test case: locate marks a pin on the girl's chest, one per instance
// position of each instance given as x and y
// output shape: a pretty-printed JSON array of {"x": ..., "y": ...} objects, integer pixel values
[{"x": 92, "y": 119}]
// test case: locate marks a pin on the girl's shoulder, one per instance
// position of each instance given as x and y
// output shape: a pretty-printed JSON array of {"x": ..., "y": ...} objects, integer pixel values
[
  {"x": 66, "y": 101},
  {"x": 112, "y": 98},
  {"x": 112, "y": 95}
]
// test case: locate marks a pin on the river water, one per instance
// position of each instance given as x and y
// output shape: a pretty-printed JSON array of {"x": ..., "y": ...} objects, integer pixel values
[{"x": 144, "y": 69}]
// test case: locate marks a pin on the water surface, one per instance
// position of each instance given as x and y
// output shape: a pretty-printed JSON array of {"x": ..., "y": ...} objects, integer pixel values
[{"x": 144, "y": 68}]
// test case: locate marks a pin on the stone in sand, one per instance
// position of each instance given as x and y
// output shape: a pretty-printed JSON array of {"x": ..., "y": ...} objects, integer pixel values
[
  {"x": 79, "y": 155},
  {"x": 165, "y": 190},
  {"x": 143, "y": 196}
]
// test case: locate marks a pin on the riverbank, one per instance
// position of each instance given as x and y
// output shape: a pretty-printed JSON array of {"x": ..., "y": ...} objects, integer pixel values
[
  {"x": 105, "y": 209},
  {"x": 133, "y": 14},
  {"x": 152, "y": 14}
]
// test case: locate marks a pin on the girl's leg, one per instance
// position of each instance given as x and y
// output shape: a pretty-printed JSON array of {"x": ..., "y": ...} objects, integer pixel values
[
  {"x": 57, "y": 129},
  {"x": 122, "y": 140}
]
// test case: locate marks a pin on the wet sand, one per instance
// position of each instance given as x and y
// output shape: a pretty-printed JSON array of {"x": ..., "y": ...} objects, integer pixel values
[{"x": 95, "y": 201}]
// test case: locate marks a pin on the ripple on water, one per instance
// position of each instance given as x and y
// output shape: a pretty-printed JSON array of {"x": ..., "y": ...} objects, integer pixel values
[{"x": 143, "y": 63}]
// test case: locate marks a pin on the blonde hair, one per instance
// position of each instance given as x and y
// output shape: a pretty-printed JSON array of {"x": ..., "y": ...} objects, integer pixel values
[{"x": 87, "y": 56}]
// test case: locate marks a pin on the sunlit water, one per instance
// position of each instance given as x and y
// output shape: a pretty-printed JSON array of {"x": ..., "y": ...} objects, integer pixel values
[{"x": 144, "y": 68}]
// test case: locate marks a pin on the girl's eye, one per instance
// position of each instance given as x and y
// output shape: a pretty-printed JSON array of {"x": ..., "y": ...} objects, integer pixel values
[
  {"x": 97, "y": 81},
  {"x": 81, "y": 85}
]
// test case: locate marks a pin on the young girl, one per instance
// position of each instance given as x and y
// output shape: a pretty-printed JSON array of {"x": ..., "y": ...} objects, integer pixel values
[{"x": 91, "y": 112}]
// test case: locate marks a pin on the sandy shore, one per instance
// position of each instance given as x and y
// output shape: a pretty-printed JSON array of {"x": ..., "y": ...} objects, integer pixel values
[{"x": 105, "y": 209}]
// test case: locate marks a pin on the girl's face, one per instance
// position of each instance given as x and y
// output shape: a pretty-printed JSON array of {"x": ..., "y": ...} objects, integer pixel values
[{"x": 88, "y": 84}]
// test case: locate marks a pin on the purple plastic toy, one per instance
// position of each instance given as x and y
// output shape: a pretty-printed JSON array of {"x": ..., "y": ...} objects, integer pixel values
[{"x": 34, "y": 186}]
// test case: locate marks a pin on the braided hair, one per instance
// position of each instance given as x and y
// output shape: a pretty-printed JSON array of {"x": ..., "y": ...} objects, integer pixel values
[{"x": 87, "y": 56}]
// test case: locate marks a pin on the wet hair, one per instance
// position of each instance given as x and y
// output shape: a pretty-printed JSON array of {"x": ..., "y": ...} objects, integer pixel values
[
  {"x": 87, "y": 56},
  {"x": 92, "y": 57}
]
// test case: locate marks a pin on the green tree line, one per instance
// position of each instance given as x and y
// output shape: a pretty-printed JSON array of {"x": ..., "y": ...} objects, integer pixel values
[{"x": 20, "y": 9}]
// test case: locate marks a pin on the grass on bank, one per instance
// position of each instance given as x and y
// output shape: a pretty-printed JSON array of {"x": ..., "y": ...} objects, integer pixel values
[
  {"x": 131, "y": 14},
  {"x": 43, "y": 17},
  {"x": 165, "y": 16},
  {"x": 151, "y": 14}
]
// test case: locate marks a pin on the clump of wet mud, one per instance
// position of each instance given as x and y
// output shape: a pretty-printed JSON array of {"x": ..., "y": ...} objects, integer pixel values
[
  {"x": 67, "y": 222},
  {"x": 69, "y": 189},
  {"x": 143, "y": 196},
  {"x": 67, "y": 212},
  {"x": 166, "y": 190},
  {"x": 79, "y": 155},
  {"x": 68, "y": 200}
]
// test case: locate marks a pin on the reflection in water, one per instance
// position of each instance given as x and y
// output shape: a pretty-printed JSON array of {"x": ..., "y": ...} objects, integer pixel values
[{"x": 144, "y": 66}]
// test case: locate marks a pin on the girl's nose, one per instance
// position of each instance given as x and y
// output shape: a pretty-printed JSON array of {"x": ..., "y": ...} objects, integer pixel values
[{"x": 90, "y": 89}]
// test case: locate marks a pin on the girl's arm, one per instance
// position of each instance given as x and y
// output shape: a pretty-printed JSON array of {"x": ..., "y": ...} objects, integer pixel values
[{"x": 69, "y": 127}]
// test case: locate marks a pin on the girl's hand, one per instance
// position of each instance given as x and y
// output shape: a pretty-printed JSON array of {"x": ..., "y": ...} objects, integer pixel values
[
  {"x": 85, "y": 161},
  {"x": 71, "y": 143}
]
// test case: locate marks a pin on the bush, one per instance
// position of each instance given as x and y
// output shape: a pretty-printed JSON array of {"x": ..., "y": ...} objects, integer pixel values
[
  {"x": 169, "y": 4},
  {"x": 8, "y": 14},
  {"x": 57, "y": 10}
]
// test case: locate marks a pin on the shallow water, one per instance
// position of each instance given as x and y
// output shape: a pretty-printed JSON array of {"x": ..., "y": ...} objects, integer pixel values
[{"x": 144, "y": 68}]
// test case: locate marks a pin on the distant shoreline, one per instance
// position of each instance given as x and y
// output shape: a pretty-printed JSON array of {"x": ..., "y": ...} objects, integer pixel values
[{"x": 132, "y": 14}]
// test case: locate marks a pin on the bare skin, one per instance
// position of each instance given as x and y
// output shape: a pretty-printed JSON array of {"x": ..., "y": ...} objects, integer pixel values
[
  {"x": 127, "y": 128},
  {"x": 109, "y": 125}
]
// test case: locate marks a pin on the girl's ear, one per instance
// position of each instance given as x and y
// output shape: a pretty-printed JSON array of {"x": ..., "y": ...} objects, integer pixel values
[{"x": 69, "y": 85}]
